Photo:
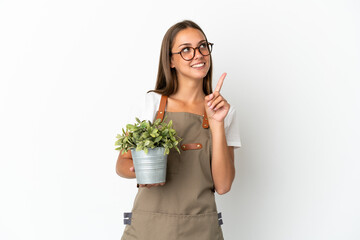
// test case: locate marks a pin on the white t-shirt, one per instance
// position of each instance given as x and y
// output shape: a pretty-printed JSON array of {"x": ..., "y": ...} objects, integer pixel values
[{"x": 152, "y": 103}]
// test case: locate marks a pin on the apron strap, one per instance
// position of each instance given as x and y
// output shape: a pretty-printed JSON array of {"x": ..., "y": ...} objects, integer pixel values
[
  {"x": 205, "y": 123},
  {"x": 161, "y": 112}
]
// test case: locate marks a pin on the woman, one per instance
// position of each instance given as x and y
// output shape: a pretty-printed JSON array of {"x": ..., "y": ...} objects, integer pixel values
[{"x": 184, "y": 207}]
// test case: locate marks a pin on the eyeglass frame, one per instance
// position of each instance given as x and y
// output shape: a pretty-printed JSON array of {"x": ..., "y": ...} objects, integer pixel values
[{"x": 210, "y": 50}]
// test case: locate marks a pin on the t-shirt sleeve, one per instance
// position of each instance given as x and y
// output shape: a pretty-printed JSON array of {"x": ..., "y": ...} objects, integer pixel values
[
  {"x": 151, "y": 101},
  {"x": 232, "y": 133}
]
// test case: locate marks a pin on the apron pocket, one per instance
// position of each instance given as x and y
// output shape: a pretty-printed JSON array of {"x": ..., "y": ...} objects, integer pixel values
[
  {"x": 161, "y": 226},
  {"x": 149, "y": 225},
  {"x": 200, "y": 227}
]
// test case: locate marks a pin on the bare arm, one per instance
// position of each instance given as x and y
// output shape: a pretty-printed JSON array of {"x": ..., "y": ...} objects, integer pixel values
[
  {"x": 223, "y": 169},
  {"x": 123, "y": 165}
]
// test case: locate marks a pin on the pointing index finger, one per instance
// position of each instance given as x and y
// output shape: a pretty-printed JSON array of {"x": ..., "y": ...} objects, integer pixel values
[{"x": 220, "y": 83}]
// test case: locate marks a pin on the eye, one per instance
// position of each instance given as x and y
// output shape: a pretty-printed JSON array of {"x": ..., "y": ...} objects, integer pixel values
[
  {"x": 185, "y": 50},
  {"x": 203, "y": 45}
]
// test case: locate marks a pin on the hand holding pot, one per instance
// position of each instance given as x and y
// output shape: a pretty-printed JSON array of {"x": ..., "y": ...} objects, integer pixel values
[{"x": 132, "y": 169}]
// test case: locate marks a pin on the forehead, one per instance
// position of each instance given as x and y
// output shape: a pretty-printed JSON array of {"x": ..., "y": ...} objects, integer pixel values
[{"x": 188, "y": 35}]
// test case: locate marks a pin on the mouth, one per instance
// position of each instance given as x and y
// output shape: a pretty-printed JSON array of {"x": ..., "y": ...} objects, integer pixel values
[{"x": 198, "y": 65}]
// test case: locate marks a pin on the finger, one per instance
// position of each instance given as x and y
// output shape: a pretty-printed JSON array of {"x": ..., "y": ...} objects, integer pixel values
[
  {"x": 220, "y": 83},
  {"x": 209, "y": 97},
  {"x": 220, "y": 105},
  {"x": 132, "y": 169},
  {"x": 216, "y": 100},
  {"x": 210, "y": 102}
]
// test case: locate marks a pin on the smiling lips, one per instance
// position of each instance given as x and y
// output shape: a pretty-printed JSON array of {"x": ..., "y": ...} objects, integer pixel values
[{"x": 198, "y": 65}]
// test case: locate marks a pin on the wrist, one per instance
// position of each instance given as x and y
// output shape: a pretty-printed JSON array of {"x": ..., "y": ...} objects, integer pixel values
[{"x": 215, "y": 125}]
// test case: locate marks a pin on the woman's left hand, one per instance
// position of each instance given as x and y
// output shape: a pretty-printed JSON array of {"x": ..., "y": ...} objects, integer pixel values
[{"x": 216, "y": 105}]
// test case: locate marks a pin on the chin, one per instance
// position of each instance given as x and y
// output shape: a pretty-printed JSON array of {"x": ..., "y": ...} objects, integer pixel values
[
  {"x": 200, "y": 74},
  {"x": 197, "y": 76}
]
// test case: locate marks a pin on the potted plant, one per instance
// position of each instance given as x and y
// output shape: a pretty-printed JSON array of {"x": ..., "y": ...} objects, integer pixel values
[{"x": 150, "y": 144}]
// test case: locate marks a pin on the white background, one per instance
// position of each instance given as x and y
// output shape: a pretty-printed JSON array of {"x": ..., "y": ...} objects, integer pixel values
[{"x": 72, "y": 72}]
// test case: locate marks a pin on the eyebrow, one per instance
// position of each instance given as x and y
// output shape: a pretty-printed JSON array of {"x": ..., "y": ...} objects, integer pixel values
[{"x": 190, "y": 43}]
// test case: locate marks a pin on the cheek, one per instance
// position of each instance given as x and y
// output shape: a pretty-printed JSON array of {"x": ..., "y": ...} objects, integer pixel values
[
  {"x": 208, "y": 63},
  {"x": 182, "y": 65},
  {"x": 177, "y": 63}
]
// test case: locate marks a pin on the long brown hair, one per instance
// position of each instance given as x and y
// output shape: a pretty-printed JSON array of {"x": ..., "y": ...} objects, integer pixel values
[{"x": 167, "y": 82}]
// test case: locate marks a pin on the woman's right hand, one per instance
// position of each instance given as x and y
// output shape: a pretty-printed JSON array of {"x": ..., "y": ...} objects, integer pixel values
[{"x": 132, "y": 169}]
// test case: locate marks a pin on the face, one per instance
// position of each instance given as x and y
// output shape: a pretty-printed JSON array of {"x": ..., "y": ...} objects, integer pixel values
[{"x": 198, "y": 67}]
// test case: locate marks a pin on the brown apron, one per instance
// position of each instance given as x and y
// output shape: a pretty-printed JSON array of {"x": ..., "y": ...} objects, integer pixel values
[{"x": 184, "y": 208}]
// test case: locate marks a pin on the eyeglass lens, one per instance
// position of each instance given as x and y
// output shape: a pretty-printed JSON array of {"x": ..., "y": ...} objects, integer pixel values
[{"x": 188, "y": 53}]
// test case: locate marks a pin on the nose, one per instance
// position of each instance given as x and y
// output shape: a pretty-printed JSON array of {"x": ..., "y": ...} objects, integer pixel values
[{"x": 197, "y": 53}]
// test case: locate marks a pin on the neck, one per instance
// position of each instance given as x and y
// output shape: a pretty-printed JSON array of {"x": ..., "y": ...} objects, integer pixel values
[{"x": 189, "y": 90}]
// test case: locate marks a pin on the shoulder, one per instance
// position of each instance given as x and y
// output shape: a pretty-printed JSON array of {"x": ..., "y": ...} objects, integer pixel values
[
  {"x": 152, "y": 99},
  {"x": 150, "y": 105}
]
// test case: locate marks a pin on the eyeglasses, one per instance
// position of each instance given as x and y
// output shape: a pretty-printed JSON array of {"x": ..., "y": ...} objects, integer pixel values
[{"x": 188, "y": 53}]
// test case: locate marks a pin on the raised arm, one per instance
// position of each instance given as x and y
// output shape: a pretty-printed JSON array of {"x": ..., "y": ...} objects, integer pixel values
[{"x": 222, "y": 168}]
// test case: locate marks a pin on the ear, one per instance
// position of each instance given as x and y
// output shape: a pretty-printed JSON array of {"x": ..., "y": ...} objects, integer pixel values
[{"x": 172, "y": 65}]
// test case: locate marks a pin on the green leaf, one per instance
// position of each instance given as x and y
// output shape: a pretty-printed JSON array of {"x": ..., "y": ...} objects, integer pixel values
[
  {"x": 147, "y": 142},
  {"x": 177, "y": 149},
  {"x": 170, "y": 124},
  {"x": 158, "y": 139},
  {"x": 143, "y": 125},
  {"x": 157, "y": 121},
  {"x": 145, "y": 135},
  {"x": 130, "y": 127}
]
